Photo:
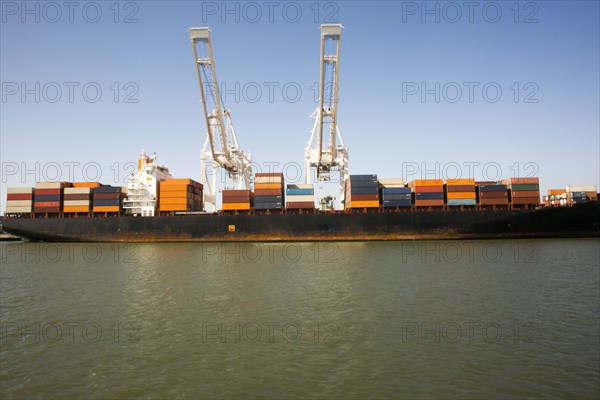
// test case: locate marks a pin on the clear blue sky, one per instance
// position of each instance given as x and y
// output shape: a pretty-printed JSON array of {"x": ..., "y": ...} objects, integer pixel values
[{"x": 543, "y": 56}]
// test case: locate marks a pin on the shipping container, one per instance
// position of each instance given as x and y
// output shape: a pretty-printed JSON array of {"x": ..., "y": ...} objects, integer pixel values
[
  {"x": 299, "y": 198},
  {"x": 429, "y": 203},
  {"x": 236, "y": 206},
  {"x": 86, "y": 184},
  {"x": 111, "y": 209},
  {"x": 76, "y": 209},
  {"x": 25, "y": 190},
  {"x": 461, "y": 202},
  {"x": 300, "y": 205},
  {"x": 399, "y": 190},
  {"x": 522, "y": 181},
  {"x": 430, "y": 196},
  {"x": 461, "y": 195},
  {"x": 19, "y": 196},
  {"x": 364, "y": 204}
]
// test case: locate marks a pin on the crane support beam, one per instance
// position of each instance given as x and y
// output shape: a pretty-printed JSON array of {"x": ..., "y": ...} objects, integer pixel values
[
  {"x": 325, "y": 156},
  {"x": 221, "y": 149}
]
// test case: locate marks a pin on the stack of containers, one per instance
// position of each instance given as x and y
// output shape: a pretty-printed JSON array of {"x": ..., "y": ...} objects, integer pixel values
[
  {"x": 428, "y": 192},
  {"x": 48, "y": 197},
  {"x": 492, "y": 193},
  {"x": 460, "y": 192},
  {"x": 180, "y": 195},
  {"x": 78, "y": 198},
  {"x": 108, "y": 198},
  {"x": 581, "y": 194},
  {"x": 268, "y": 191},
  {"x": 300, "y": 196},
  {"x": 524, "y": 191},
  {"x": 394, "y": 193},
  {"x": 19, "y": 200},
  {"x": 362, "y": 191},
  {"x": 555, "y": 197},
  {"x": 235, "y": 200}
]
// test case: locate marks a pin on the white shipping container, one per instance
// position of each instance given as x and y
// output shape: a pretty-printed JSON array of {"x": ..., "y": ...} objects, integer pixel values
[
  {"x": 19, "y": 203},
  {"x": 17, "y": 210},
  {"x": 391, "y": 182},
  {"x": 267, "y": 179},
  {"x": 14, "y": 190},
  {"x": 49, "y": 185},
  {"x": 588, "y": 188},
  {"x": 303, "y": 197},
  {"x": 76, "y": 203},
  {"x": 73, "y": 190}
]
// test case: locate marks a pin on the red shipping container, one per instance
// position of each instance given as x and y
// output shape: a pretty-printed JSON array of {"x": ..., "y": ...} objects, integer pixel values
[
  {"x": 428, "y": 189},
  {"x": 47, "y": 192},
  {"x": 460, "y": 188},
  {"x": 300, "y": 205},
  {"x": 494, "y": 202},
  {"x": 46, "y": 204},
  {"x": 493, "y": 195},
  {"x": 19, "y": 196},
  {"x": 526, "y": 200},
  {"x": 429, "y": 203},
  {"x": 364, "y": 197},
  {"x": 525, "y": 193},
  {"x": 523, "y": 181}
]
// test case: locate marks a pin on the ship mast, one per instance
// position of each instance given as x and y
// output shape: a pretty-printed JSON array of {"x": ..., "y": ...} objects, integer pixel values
[{"x": 221, "y": 149}]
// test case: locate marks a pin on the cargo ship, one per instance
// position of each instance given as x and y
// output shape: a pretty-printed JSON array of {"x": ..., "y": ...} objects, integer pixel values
[{"x": 157, "y": 207}]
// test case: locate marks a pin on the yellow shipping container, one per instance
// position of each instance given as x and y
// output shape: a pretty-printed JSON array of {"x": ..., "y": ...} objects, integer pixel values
[
  {"x": 76, "y": 209},
  {"x": 364, "y": 204},
  {"x": 236, "y": 206},
  {"x": 461, "y": 195},
  {"x": 106, "y": 209},
  {"x": 268, "y": 186},
  {"x": 460, "y": 181}
]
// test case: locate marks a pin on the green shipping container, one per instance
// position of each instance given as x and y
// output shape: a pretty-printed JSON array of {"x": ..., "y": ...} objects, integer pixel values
[{"x": 525, "y": 187}]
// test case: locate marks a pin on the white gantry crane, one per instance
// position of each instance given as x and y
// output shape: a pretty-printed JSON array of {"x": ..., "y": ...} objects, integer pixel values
[
  {"x": 221, "y": 148},
  {"x": 326, "y": 157}
]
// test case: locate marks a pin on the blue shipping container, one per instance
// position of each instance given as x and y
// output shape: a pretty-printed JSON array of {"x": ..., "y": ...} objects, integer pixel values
[
  {"x": 461, "y": 202},
  {"x": 429, "y": 196},
  {"x": 299, "y": 192},
  {"x": 403, "y": 190}
]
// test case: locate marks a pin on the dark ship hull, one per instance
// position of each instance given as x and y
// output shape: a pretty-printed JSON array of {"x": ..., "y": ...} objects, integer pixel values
[{"x": 578, "y": 221}]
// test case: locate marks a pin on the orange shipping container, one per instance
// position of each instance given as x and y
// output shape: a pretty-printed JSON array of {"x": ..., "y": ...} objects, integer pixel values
[
  {"x": 236, "y": 206},
  {"x": 268, "y": 186},
  {"x": 106, "y": 209},
  {"x": 460, "y": 181},
  {"x": 86, "y": 184},
  {"x": 461, "y": 195},
  {"x": 556, "y": 191},
  {"x": 76, "y": 209},
  {"x": 364, "y": 204},
  {"x": 426, "y": 182}
]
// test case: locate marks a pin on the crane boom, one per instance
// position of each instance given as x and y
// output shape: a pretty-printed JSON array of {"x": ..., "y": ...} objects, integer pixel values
[
  {"x": 326, "y": 156},
  {"x": 221, "y": 148}
]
